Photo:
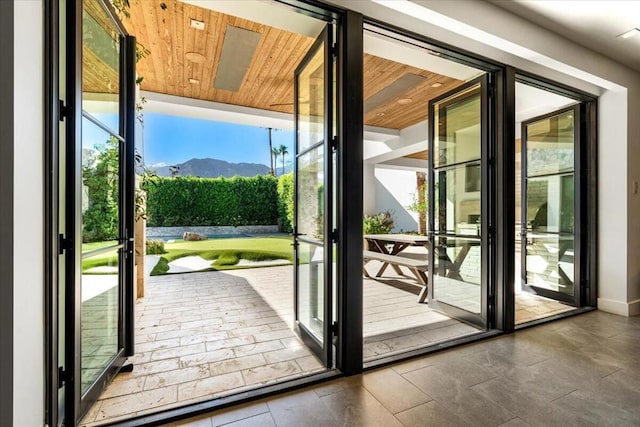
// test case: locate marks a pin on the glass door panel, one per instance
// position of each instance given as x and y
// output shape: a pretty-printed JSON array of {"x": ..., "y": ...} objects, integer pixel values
[
  {"x": 97, "y": 218},
  {"x": 458, "y": 273},
  {"x": 549, "y": 214},
  {"x": 313, "y": 194},
  {"x": 101, "y": 251}
]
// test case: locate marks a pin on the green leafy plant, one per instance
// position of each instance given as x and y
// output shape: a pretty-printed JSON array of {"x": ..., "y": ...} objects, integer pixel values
[
  {"x": 285, "y": 202},
  {"x": 155, "y": 247},
  {"x": 380, "y": 223}
]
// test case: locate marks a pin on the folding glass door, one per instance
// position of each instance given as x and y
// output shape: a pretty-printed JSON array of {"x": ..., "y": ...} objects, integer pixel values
[
  {"x": 96, "y": 203},
  {"x": 549, "y": 206},
  {"x": 313, "y": 176},
  {"x": 458, "y": 188}
]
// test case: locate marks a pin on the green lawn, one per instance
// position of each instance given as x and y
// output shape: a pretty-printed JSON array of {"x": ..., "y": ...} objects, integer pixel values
[
  {"x": 100, "y": 260},
  {"x": 225, "y": 253}
]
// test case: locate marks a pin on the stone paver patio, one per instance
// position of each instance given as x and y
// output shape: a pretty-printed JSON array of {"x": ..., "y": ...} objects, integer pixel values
[{"x": 206, "y": 335}]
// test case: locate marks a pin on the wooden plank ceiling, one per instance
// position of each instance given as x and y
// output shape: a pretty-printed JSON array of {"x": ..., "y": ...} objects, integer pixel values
[{"x": 180, "y": 53}]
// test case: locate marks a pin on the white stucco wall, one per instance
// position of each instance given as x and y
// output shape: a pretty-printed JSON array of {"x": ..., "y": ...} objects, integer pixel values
[
  {"x": 28, "y": 326},
  {"x": 394, "y": 190}
]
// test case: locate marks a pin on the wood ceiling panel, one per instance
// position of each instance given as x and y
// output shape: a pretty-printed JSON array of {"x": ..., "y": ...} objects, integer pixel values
[
  {"x": 268, "y": 82},
  {"x": 420, "y": 155}
]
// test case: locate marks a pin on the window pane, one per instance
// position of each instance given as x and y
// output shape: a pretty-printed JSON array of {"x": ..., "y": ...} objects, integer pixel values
[
  {"x": 457, "y": 273},
  {"x": 550, "y": 262},
  {"x": 457, "y": 200},
  {"x": 550, "y": 204},
  {"x": 550, "y": 145},
  {"x": 100, "y": 65},
  {"x": 99, "y": 325},
  {"x": 311, "y": 102},
  {"x": 310, "y": 183},
  {"x": 311, "y": 288},
  {"x": 100, "y": 184},
  {"x": 457, "y": 137}
]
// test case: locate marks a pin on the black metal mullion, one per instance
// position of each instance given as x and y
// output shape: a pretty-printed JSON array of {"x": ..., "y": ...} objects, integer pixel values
[
  {"x": 73, "y": 219},
  {"x": 328, "y": 195},
  {"x": 578, "y": 283},
  {"x": 349, "y": 157},
  {"x": 129, "y": 78}
]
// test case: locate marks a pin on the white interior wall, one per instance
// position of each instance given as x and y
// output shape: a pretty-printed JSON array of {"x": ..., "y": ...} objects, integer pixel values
[
  {"x": 394, "y": 189},
  {"x": 492, "y": 32},
  {"x": 28, "y": 279}
]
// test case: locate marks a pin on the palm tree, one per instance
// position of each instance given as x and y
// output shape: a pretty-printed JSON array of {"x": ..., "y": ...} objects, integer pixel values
[
  {"x": 272, "y": 171},
  {"x": 282, "y": 150},
  {"x": 274, "y": 159}
]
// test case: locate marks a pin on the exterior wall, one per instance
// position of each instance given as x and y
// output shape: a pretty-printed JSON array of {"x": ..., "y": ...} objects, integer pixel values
[
  {"x": 28, "y": 250},
  {"x": 487, "y": 30},
  {"x": 394, "y": 190}
]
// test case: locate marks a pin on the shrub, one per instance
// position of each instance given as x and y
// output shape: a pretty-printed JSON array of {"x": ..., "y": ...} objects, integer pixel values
[
  {"x": 183, "y": 201},
  {"x": 155, "y": 247},
  {"x": 100, "y": 181},
  {"x": 380, "y": 223},
  {"x": 285, "y": 201}
]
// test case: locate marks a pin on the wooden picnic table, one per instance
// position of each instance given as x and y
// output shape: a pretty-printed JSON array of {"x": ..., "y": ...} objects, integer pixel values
[{"x": 399, "y": 242}]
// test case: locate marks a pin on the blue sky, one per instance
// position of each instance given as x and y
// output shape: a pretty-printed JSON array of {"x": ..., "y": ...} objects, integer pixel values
[{"x": 172, "y": 139}]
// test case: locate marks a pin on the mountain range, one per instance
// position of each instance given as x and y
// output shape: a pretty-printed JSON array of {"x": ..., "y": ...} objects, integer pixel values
[{"x": 213, "y": 168}]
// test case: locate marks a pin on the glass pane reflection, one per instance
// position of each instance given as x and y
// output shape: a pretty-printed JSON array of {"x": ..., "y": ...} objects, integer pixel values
[
  {"x": 550, "y": 262},
  {"x": 550, "y": 145},
  {"x": 99, "y": 324},
  {"x": 310, "y": 186},
  {"x": 311, "y": 88},
  {"x": 100, "y": 65},
  {"x": 457, "y": 137},
  {"x": 457, "y": 195},
  {"x": 100, "y": 184},
  {"x": 458, "y": 273},
  {"x": 311, "y": 288}
]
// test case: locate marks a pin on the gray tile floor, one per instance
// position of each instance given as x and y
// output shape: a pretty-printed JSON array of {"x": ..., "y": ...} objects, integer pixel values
[{"x": 580, "y": 371}]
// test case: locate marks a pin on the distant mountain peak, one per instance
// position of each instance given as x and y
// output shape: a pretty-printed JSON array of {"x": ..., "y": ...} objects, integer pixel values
[{"x": 213, "y": 168}]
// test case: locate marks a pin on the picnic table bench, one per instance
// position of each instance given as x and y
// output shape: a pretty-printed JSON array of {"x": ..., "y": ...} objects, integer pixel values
[{"x": 417, "y": 267}]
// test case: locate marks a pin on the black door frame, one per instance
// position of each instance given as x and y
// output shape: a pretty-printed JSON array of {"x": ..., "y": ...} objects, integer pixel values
[{"x": 6, "y": 214}]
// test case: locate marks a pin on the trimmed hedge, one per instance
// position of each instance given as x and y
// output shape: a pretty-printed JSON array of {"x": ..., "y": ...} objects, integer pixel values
[
  {"x": 285, "y": 201},
  {"x": 192, "y": 201}
]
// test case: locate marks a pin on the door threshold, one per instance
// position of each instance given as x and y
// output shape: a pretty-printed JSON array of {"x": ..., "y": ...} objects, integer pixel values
[{"x": 194, "y": 409}]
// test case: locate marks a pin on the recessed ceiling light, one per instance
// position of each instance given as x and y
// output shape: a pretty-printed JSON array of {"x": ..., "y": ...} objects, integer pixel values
[
  {"x": 405, "y": 101},
  {"x": 436, "y": 84},
  {"x": 194, "y": 81},
  {"x": 632, "y": 32},
  {"x": 198, "y": 25},
  {"x": 196, "y": 57}
]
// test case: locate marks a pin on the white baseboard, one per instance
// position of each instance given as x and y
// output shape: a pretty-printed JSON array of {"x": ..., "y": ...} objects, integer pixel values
[{"x": 619, "y": 307}]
